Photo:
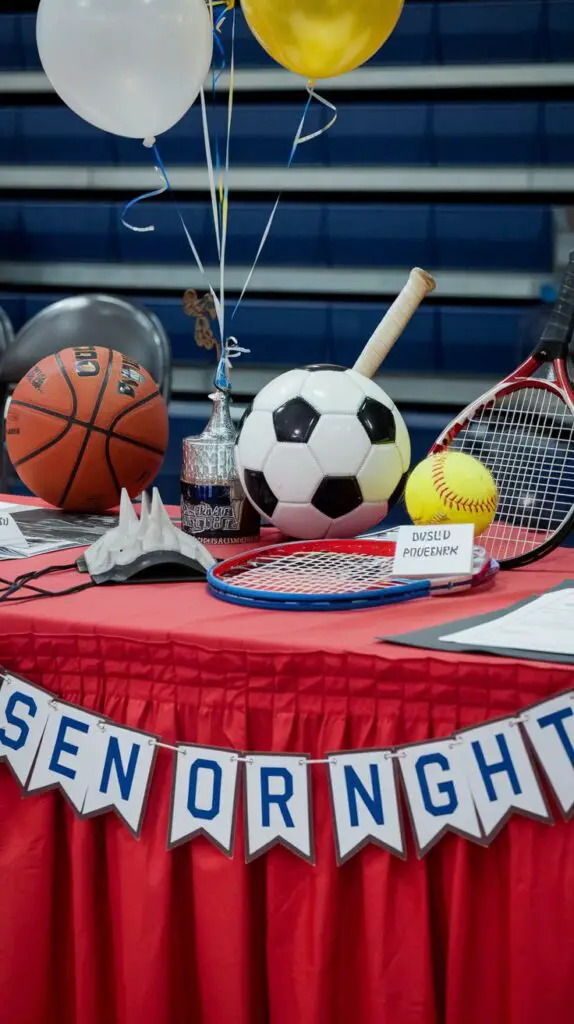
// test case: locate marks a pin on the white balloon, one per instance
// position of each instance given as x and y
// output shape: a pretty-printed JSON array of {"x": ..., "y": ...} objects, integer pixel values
[{"x": 131, "y": 67}]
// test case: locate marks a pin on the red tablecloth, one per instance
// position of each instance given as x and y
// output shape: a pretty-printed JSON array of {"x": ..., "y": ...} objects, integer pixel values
[{"x": 97, "y": 928}]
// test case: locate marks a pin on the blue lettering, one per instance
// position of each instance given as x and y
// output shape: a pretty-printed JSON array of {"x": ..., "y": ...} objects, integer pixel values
[
  {"x": 204, "y": 812},
  {"x": 504, "y": 765},
  {"x": 125, "y": 776},
  {"x": 373, "y": 801},
  {"x": 62, "y": 747},
  {"x": 450, "y": 804},
  {"x": 281, "y": 799},
  {"x": 12, "y": 719},
  {"x": 556, "y": 718}
]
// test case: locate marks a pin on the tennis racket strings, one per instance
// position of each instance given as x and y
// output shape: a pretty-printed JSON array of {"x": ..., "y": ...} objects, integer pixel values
[
  {"x": 526, "y": 439},
  {"x": 523, "y": 431}
]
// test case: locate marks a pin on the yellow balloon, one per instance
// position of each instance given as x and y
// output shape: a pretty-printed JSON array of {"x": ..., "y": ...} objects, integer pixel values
[{"x": 321, "y": 38}]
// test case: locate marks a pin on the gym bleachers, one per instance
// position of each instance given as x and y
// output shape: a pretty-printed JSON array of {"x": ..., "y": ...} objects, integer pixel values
[
  {"x": 366, "y": 134},
  {"x": 320, "y": 235},
  {"x": 473, "y": 121},
  {"x": 447, "y": 32}
]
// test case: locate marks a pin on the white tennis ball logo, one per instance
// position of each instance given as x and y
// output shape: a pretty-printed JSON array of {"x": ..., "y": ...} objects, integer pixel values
[{"x": 451, "y": 487}]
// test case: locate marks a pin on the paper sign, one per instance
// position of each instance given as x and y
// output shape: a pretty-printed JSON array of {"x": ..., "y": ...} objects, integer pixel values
[
  {"x": 423, "y": 551},
  {"x": 11, "y": 535}
]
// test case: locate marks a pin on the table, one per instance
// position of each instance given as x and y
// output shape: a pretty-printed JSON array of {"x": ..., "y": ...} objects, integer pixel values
[{"x": 98, "y": 928}]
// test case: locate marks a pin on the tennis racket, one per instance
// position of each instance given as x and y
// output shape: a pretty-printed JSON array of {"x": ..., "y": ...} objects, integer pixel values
[
  {"x": 394, "y": 322},
  {"x": 523, "y": 430},
  {"x": 330, "y": 575}
]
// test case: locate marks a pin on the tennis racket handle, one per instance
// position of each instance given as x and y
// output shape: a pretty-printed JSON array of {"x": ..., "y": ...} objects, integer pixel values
[{"x": 394, "y": 321}]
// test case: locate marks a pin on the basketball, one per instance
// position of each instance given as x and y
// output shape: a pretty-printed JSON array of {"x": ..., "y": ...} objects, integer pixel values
[{"x": 84, "y": 423}]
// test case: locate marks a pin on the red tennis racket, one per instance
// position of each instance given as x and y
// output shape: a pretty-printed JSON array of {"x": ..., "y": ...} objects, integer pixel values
[{"x": 523, "y": 430}]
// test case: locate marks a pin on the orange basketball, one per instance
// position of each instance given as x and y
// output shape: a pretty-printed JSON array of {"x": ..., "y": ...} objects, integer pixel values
[{"x": 84, "y": 423}]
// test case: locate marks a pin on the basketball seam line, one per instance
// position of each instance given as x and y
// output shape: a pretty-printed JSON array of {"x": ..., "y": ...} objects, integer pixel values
[
  {"x": 452, "y": 500},
  {"x": 72, "y": 422},
  {"x": 89, "y": 429}
]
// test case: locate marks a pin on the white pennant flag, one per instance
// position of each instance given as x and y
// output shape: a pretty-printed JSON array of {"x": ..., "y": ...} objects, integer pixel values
[
  {"x": 438, "y": 793},
  {"x": 550, "y": 729},
  {"x": 204, "y": 796},
  {"x": 500, "y": 774},
  {"x": 24, "y": 711},
  {"x": 66, "y": 755},
  {"x": 278, "y": 804},
  {"x": 365, "y": 804},
  {"x": 121, "y": 767}
]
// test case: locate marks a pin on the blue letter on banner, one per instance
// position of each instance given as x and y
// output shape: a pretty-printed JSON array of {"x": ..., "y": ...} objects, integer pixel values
[
  {"x": 451, "y": 803},
  {"x": 555, "y": 718},
  {"x": 372, "y": 801},
  {"x": 20, "y": 723},
  {"x": 61, "y": 747},
  {"x": 281, "y": 799},
  {"x": 204, "y": 812},
  {"x": 504, "y": 765},
  {"x": 125, "y": 776}
]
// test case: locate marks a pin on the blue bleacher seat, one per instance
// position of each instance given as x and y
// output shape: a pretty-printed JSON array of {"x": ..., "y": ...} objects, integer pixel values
[
  {"x": 376, "y": 133},
  {"x": 560, "y": 30},
  {"x": 167, "y": 242},
  {"x": 380, "y": 235},
  {"x": 30, "y": 57},
  {"x": 55, "y": 135},
  {"x": 10, "y": 138},
  {"x": 487, "y": 237},
  {"x": 486, "y": 133},
  {"x": 493, "y": 237},
  {"x": 558, "y": 133},
  {"x": 479, "y": 340},
  {"x": 75, "y": 231},
  {"x": 413, "y": 40},
  {"x": 353, "y": 324},
  {"x": 10, "y": 49},
  {"x": 365, "y": 134},
  {"x": 474, "y": 33},
  {"x": 12, "y": 237}
]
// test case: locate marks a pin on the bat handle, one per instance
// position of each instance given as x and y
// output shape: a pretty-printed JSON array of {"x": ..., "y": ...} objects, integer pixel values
[{"x": 419, "y": 284}]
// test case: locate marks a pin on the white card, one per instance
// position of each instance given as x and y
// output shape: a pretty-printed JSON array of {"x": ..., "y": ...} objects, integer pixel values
[
  {"x": 550, "y": 729},
  {"x": 66, "y": 756},
  {"x": 204, "y": 796},
  {"x": 24, "y": 711},
  {"x": 120, "y": 773},
  {"x": 545, "y": 624},
  {"x": 365, "y": 803},
  {"x": 500, "y": 774},
  {"x": 278, "y": 804},
  {"x": 424, "y": 551},
  {"x": 438, "y": 792},
  {"x": 11, "y": 535}
]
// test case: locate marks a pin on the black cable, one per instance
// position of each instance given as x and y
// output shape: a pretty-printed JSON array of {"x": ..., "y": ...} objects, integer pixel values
[{"x": 24, "y": 581}]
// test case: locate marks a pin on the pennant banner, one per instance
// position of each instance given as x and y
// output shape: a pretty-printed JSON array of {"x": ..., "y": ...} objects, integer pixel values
[{"x": 469, "y": 784}]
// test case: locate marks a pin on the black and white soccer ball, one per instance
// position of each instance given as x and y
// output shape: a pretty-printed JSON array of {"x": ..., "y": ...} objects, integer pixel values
[{"x": 323, "y": 452}]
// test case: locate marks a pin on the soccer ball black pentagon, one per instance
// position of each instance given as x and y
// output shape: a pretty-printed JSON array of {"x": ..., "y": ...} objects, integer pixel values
[{"x": 323, "y": 452}]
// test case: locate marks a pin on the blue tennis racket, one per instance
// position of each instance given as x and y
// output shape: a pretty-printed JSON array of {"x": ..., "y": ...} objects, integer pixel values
[{"x": 330, "y": 575}]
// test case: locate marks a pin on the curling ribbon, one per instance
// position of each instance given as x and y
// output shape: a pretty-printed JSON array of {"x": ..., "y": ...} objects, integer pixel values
[
  {"x": 231, "y": 350},
  {"x": 298, "y": 140}
]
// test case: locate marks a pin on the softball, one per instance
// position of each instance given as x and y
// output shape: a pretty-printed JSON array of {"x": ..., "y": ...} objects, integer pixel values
[{"x": 450, "y": 487}]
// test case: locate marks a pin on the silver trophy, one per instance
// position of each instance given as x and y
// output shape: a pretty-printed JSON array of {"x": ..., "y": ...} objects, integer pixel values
[{"x": 213, "y": 502}]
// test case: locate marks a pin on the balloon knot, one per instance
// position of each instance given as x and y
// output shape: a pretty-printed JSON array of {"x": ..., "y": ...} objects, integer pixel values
[{"x": 149, "y": 143}]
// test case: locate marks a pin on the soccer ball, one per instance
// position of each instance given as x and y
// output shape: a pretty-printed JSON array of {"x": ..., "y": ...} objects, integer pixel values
[{"x": 323, "y": 452}]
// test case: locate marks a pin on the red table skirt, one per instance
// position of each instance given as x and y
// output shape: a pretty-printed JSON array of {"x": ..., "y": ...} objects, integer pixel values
[{"x": 98, "y": 928}]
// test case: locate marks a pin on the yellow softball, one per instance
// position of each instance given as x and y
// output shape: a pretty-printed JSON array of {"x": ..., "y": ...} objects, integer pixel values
[{"x": 451, "y": 487}]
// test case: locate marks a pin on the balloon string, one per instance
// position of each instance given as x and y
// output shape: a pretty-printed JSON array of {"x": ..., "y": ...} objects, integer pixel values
[
  {"x": 224, "y": 195},
  {"x": 298, "y": 140}
]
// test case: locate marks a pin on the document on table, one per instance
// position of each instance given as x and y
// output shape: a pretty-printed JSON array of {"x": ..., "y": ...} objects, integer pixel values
[{"x": 545, "y": 624}]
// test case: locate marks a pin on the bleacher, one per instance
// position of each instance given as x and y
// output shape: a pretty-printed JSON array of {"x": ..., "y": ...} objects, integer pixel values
[{"x": 453, "y": 150}]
